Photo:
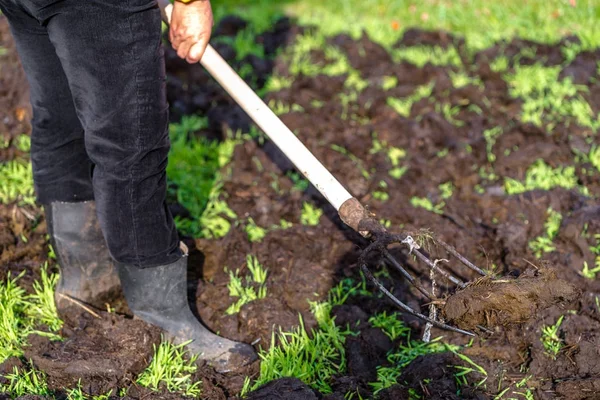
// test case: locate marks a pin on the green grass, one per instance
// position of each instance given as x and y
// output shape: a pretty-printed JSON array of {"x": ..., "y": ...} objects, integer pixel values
[
  {"x": 16, "y": 183},
  {"x": 427, "y": 204},
  {"x": 21, "y": 314},
  {"x": 541, "y": 176},
  {"x": 253, "y": 288},
  {"x": 194, "y": 180},
  {"x": 255, "y": 233},
  {"x": 21, "y": 383},
  {"x": 170, "y": 370},
  {"x": 546, "y": 99},
  {"x": 404, "y": 105},
  {"x": 543, "y": 244},
  {"x": 481, "y": 22},
  {"x": 590, "y": 273},
  {"x": 421, "y": 55},
  {"x": 78, "y": 394},
  {"x": 550, "y": 339},
  {"x": 403, "y": 355},
  {"x": 594, "y": 157},
  {"x": 311, "y": 215},
  {"x": 390, "y": 325},
  {"x": 315, "y": 356}
]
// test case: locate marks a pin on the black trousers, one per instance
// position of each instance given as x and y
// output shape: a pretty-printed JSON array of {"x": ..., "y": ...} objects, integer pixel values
[{"x": 100, "y": 117}]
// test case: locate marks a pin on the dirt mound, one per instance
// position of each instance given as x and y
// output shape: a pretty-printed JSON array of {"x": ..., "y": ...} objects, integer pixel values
[
  {"x": 500, "y": 302},
  {"x": 102, "y": 353}
]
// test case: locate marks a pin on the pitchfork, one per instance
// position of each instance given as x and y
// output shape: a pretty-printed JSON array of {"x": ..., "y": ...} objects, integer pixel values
[{"x": 350, "y": 210}]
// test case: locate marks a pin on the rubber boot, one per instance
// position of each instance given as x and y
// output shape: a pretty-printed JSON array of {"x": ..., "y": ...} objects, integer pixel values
[
  {"x": 87, "y": 271},
  {"x": 158, "y": 295}
]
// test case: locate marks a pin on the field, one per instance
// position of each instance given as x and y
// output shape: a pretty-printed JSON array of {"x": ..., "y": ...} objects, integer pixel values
[{"x": 473, "y": 121}]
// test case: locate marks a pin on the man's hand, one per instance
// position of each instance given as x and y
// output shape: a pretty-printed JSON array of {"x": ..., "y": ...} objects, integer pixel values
[{"x": 191, "y": 25}]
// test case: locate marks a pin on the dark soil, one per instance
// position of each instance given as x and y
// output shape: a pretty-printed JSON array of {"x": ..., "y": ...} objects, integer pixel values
[
  {"x": 490, "y": 228},
  {"x": 102, "y": 354}
]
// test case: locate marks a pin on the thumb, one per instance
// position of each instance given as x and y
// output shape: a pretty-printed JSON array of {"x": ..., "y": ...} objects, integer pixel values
[{"x": 196, "y": 51}]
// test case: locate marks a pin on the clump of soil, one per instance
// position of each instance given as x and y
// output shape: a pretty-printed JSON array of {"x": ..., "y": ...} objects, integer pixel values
[
  {"x": 490, "y": 227},
  {"x": 103, "y": 354},
  {"x": 500, "y": 302}
]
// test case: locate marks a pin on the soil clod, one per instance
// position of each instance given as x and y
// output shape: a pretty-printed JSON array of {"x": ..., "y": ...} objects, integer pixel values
[{"x": 490, "y": 303}]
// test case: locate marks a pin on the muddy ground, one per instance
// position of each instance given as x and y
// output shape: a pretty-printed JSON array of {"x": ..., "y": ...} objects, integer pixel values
[{"x": 489, "y": 227}]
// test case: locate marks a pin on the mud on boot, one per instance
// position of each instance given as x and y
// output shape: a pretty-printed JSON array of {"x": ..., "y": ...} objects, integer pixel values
[
  {"x": 158, "y": 295},
  {"x": 87, "y": 271}
]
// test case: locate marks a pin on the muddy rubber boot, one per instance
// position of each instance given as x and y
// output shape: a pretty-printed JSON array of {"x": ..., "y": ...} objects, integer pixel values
[
  {"x": 87, "y": 271},
  {"x": 158, "y": 295}
]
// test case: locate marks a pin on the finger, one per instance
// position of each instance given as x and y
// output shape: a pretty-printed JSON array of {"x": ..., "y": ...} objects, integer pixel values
[
  {"x": 172, "y": 36},
  {"x": 197, "y": 50},
  {"x": 184, "y": 48}
]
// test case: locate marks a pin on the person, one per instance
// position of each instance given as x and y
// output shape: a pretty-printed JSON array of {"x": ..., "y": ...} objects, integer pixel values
[{"x": 99, "y": 147}]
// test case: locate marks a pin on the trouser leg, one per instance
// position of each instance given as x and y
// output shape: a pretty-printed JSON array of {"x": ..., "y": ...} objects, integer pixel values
[
  {"x": 112, "y": 55},
  {"x": 61, "y": 167}
]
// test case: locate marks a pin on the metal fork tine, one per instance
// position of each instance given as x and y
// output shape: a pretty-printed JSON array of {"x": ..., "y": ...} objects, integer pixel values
[
  {"x": 408, "y": 276},
  {"x": 406, "y": 308},
  {"x": 463, "y": 260},
  {"x": 445, "y": 274}
]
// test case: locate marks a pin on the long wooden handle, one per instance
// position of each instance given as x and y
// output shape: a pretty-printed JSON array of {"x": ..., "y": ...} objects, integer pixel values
[{"x": 271, "y": 125}]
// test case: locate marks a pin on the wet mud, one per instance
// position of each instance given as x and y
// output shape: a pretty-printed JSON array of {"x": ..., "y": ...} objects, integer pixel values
[{"x": 489, "y": 227}]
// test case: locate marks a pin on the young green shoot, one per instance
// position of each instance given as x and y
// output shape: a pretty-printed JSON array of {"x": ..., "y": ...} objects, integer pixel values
[
  {"x": 23, "y": 383},
  {"x": 424, "y": 202},
  {"x": 381, "y": 193},
  {"x": 311, "y": 215},
  {"x": 390, "y": 325},
  {"x": 541, "y": 176},
  {"x": 594, "y": 157},
  {"x": 255, "y": 233},
  {"x": 389, "y": 82},
  {"x": 543, "y": 244},
  {"x": 169, "y": 369},
  {"x": 253, "y": 288},
  {"x": 20, "y": 313},
  {"x": 590, "y": 273},
  {"x": 16, "y": 183},
  {"x": 550, "y": 339},
  {"x": 491, "y": 135},
  {"x": 403, "y": 106},
  {"x": 463, "y": 371},
  {"x": 314, "y": 358}
]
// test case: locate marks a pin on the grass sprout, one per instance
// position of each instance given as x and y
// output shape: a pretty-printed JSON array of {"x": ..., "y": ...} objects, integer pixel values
[
  {"x": 541, "y": 176},
  {"x": 401, "y": 357},
  {"x": 194, "y": 179},
  {"x": 463, "y": 371},
  {"x": 169, "y": 369},
  {"x": 590, "y": 273},
  {"x": 253, "y": 288},
  {"x": 424, "y": 202},
  {"x": 390, "y": 325},
  {"x": 594, "y": 157},
  {"x": 548, "y": 99},
  {"x": 543, "y": 244},
  {"x": 22, "y": 383},
  {"x": 16, "y": 183},
  {"x": 552, "y": 343},
  {"x": 255, "y": 233},
  {"x": 491, "y": 135},
  {"x": 421, "y": 55},
  {"x": 314, "y": 358},
  {"x": 311, "y": 215},
  {"x": 403, "y": 106},
  {"x": 20, "y": 313}
]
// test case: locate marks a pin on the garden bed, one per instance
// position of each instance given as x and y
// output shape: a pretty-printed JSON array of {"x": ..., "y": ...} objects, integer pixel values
[{"x": 427, "y": 135}]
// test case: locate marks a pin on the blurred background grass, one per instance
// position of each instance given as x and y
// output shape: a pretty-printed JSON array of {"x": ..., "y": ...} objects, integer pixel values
[{"x": 481, "y": 22}]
